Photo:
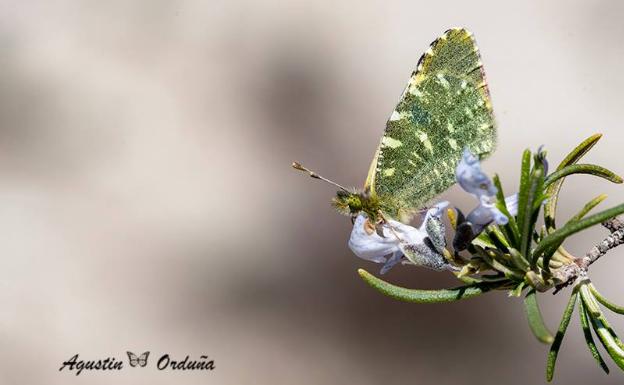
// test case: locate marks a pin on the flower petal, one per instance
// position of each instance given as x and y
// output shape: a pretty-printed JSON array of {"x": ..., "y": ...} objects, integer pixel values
[
  {"x": 396, "y": 257},
  {"x": 371, "y": 246},
  {"x": 471, "y": 178},
  {"x": 512, "y": 204},
  {"x": 422, "y": 246}
]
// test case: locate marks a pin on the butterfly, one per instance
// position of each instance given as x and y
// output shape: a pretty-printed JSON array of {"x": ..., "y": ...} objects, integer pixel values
[
  {"x": 141, "y": 360},
  {"x": 444, "y": 109}
]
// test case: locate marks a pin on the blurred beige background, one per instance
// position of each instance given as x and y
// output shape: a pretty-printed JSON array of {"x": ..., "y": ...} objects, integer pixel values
[{"x": 147, "y": 202}]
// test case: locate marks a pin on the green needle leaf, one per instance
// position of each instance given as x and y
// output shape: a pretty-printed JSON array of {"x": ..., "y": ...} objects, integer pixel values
[
  {"x": 580, "y": 150},
  {"x": 510, "y": 229},
  {"x": 591, "y": 169},
  {"x": 528, "y": 223},
  {"x": 609, "y": 305},
  {"x": 534, "y": 316},
  {"x": 498, "y": 237},
  {"x": 589, "y": 301},
  {"x": 518, "y": 259},
  {"x": 588, "y": 207},
  {"x": 491, "y": 260},
  {"x": 601, "y": 326},
  {"x": 589, "y": 339},
  {"x": 427, "y": 296},
  {"x": 563, "y": 326},
  {"x": 523, "y": 193},
  {"x": 517, "y": 291},
  {"x": 484, "y": 240},
  {"x": 553, "y": 190},
  {"x": 552, "y": 241},
  {"x": 609, "y": 341}
]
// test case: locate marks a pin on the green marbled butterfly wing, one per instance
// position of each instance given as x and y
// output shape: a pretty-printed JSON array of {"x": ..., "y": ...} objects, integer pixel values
[{"x": 444, "y": 108}]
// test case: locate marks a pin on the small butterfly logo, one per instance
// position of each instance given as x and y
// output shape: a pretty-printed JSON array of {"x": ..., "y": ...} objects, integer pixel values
[{"x": 135, "y": 360}]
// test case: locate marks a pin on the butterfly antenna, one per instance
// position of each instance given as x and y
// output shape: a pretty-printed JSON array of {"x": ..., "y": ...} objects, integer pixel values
[{"x": 298, "y": 166}]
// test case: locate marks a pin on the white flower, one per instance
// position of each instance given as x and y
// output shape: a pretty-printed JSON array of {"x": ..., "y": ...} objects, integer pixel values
[
  {"x": 367, "y": 244},
  {"x": 400, "y": 240}
]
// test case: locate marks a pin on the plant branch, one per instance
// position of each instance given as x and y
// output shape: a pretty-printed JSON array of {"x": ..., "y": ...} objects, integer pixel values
[
  {"x": 568, "y": 273},
  {"x": 616, "y": 238},
  {"x": 613, "y": 225}
]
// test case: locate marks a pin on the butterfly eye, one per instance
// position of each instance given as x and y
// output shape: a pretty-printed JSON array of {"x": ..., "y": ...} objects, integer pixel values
[
  {"x": 342, "y": 194},
  {"x": 483, "y": 186}
]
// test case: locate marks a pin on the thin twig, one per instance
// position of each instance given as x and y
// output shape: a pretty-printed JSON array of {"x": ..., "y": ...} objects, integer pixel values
[
  {"x": 614, "y": 239},
  {"x": 568, "y": 273},
  {"x": 613, "y": 225}
]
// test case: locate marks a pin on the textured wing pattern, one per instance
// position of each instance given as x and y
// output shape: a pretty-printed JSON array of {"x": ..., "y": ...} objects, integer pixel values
[{"x": 444, "y": 108}]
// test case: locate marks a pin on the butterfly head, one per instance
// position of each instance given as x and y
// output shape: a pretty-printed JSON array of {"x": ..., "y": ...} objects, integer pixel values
[{"x": 353, "y": 203}]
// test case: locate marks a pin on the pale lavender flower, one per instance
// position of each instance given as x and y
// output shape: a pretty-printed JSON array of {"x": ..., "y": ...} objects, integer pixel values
[
  {"x": 401, "y": 242},
  {"x": 474, "y": 181},
  {"x": 471, "y": 178},
  {"x": 369, "y": 245}
]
